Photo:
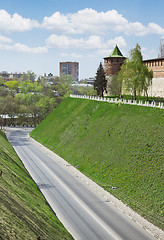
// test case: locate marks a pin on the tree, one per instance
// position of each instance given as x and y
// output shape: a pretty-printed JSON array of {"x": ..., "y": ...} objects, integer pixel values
[
  {"x": 31, "y": 75},
  {"x": 3, "y": 88},
  {"x": 147, "y": 80},
  {"x": 63, "y": 85},
  {"x": 134, "y": 76},
  {"x": 100, "y": 80},
  {"x": 11, "y": 106},
  {"x": 114, "y": 85},
  {"x": 84, "y": 90},
  {"x": 13, "y": 85},
  {"x": 46, "y": 105}
]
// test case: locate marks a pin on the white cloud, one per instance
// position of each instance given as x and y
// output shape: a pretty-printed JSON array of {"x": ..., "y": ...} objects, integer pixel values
[
  {"x": 21, "y": 48},
  {"x": 120, "y": 41},
  {"x": 92, "y": 42},
  {"x": 109, "y": 45},
  {"x": 135, "y": 28},
  {"x": 89, "y": 20},
  {"x": 5, "y": 39},
  {"x": 63, "y": 41},
  {"x": 86, "y": 21},
  {"x": 99, "y": 23},
  {"x": 57, "y": 22},
  {"x": 154, "y": 28},
  {"x": 16, "y": 23}
]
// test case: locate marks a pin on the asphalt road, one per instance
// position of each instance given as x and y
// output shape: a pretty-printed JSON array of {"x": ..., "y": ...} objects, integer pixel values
[{"x": 82, "y": 211}]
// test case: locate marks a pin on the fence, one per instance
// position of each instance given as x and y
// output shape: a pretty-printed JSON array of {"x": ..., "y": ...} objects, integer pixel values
[{"x": 121, "y": 101}]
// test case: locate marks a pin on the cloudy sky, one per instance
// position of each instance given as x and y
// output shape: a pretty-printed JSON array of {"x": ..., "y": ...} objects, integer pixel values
[{"x": 38, "y": 34}]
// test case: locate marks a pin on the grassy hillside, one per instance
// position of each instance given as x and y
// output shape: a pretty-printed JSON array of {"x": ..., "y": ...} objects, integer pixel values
[
  {"x": 115, "y": 145},
  {"x": 24, "y": 213}
]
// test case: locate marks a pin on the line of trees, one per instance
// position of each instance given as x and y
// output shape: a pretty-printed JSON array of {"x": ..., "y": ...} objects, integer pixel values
[{"x": 30, "y": 100}]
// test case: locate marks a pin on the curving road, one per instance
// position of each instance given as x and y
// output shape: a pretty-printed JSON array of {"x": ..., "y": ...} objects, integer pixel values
[{"x": 85, "y": 214}]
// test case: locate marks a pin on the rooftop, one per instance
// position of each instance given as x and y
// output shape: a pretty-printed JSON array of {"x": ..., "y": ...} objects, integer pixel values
[{"x": 115, "y": 53}]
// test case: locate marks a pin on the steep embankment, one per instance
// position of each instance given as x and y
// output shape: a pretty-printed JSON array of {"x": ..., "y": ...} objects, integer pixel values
[
  {"x": 115, "y": 145},
  {"x": 24, "y": 213}
]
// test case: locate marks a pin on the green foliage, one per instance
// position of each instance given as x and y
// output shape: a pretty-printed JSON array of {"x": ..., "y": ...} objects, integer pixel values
[
  {"x": 27, "y": 97},
  {"x": 83, "y": 81},
  {"x": 67, "y": 79},
  {"x": 31, "y": 76},
  {"x": 83, "y": 90},
  {"x": 35, "y": 96},
  {"x": 114, "y": 86},
  {"x": 115, "y": 145},
  {"x": 9, "y": 105},
  {"x": 100, "y": 80},
  {"x": 2, "y": 81},
  {"x": 134, "y": 76},
  {"x": 24, "y": 211},
  {"x": 63, "y": 85},
  {"x": 46, "y": 104},
  {"x": 13, "y": 85},
  {"x": 3, "y": 91},
  {"x": 28, "y": 86}
]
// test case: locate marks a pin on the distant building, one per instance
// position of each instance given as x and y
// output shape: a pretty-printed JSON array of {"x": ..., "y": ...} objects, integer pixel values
[
  {"x": 90, "y": 80},
  {"x": 49, "y": 79},
  {"x": 10, "y": 76},
  {"x": 71, "y": 69},
  {"x": 5, "y": 75},
  {"x": 16, "y": 75}
]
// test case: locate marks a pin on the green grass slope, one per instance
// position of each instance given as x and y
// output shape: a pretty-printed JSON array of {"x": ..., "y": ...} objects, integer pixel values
[
  {"x": 115, "y": 145},
  {"x": 24, "y": 213}
]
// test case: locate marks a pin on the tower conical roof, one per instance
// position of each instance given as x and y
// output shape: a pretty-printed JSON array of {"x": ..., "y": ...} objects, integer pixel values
[{"x": 116, "y": 53}]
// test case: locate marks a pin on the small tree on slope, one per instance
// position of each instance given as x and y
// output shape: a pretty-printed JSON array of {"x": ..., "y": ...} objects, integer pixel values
[
  {"x": 100, "y": 81},
  {"x": 134, "y": 76}
]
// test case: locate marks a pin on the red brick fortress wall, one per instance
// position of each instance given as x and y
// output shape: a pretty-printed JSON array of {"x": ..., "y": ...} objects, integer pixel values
[{"x": 157, "y": 66}]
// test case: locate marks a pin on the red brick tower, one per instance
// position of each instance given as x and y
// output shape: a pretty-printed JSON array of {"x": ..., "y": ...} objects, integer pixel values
[{"x": 112, "y": 65}]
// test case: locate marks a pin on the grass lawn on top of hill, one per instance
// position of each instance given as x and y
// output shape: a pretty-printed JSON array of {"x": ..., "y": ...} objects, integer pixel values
[
  {"x": 115, "y": 145},
  {"x": 24, "y": 213}
]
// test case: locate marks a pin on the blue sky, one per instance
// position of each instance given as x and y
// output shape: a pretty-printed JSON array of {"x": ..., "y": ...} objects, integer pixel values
[{"x": 38, "y": 34}]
